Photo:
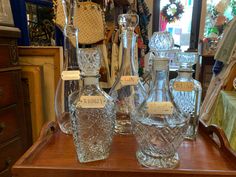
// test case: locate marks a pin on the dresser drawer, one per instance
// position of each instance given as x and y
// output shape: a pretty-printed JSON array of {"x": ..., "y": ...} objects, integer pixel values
[
  {"x": 8, "y": 90},
  {"x": 8, "y": 53},
  {"x": 9, "y": 154},
  {"x": 9, "y": 124},
  {"x": 5, "y": 55}
]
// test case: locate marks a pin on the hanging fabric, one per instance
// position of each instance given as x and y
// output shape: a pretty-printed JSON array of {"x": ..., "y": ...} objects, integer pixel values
[{"x": 144, "y": 19}]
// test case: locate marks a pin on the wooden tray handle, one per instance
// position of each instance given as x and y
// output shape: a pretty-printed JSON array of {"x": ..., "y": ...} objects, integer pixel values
[
  {"x": 48, "y": 129},
  {"x": 218, "y": 136}
]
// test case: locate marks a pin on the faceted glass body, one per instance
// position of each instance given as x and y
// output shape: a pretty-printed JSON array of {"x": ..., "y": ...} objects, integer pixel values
[
  {"x": 187, "y": 91},
  {"x": 127, "y": 91},
  {"x": 92, "y": 112},
  {"x": 159, "y": 127}
]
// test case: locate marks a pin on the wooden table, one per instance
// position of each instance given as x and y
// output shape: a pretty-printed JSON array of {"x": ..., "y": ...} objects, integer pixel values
[{"x": 53, "y": 155}]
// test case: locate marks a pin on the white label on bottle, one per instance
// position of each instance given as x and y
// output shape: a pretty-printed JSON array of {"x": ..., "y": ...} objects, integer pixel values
[
  {"x": 70, "y": 75},
  {"x": 129, "y": 80},
  {"x": 92, "y": 101},
  {"x": 183, "y": 86},
  {"x": 160, "y": 108}
]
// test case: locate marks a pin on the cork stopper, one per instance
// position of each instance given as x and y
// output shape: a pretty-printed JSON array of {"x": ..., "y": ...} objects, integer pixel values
[{"x": 160, "y": 64}]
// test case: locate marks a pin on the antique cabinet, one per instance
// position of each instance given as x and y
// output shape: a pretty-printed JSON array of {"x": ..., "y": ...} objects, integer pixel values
[{"x": 14, "y": 139}]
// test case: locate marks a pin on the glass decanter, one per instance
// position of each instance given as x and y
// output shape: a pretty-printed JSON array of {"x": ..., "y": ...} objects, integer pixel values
[
  {"x": 127, "y": 90},
  {"x": 69, "y": 81},
  {"x": 92, "y": 111},
  {"x": 187, "y": 91},
  {"x": 159, "y": 127}
]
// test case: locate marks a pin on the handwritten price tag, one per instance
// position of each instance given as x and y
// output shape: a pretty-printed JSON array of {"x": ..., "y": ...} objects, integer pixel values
[
  {"x": 129, "y": 80},
  {"x": 92, "y": 102},
  {"x": 160, "y": 108},
  {"x": 183, "y": 86},
  {"x": 70, "y": 75}
]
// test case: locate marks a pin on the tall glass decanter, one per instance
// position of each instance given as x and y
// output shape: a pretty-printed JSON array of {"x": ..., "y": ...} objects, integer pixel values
[
  {"x": 69, "y": 81},
  {"x": 92, "y": 112},
  {"x": 127, "y": 91},
  {"x": 187, "y": 91},
  {"x": 159, "y": 127}
]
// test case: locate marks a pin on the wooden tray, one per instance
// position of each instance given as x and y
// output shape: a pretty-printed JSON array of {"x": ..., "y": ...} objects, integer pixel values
[{"x": 53, "y": 155}]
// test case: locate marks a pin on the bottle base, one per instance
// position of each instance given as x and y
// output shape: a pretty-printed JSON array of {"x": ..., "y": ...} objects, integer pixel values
[
  {"x": 66, "y": 127},
  {"x": 190, "y": 137},
  {"x": 123, "y": 127},
  {"x": 84, "y": 159},
  {"x": 157, "y": 162}
]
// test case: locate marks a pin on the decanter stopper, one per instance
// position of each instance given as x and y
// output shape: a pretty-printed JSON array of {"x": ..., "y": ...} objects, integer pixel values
[
  {"x": 89, "y": 61},
  {"x": 185, "y": 60},
  {"x": 127, "y": 23},
  {"x": 161, "y": 41}
]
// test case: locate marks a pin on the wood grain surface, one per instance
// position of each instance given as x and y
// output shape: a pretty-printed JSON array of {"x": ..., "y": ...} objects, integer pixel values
[{"x": 54, "y": 155}]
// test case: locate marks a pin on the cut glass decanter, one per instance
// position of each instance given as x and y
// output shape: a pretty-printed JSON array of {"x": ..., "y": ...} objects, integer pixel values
[
  {"x": 127, "y": 90},
  {"x": 69, "y": 82},
  {"x": 187, "y": 91},
  {"x": 159, "y": 127},
  {"x": 92, "y": 111}
]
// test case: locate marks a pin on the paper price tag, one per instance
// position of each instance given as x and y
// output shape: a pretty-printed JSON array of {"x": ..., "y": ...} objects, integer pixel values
[
  {"x": 70, "y": 75},
  {"x": 129, "y": 80},
  {"x": 160, "y": 108},
  {"x": 183, "y": 86},
  {"x": 92, "y": 102}
]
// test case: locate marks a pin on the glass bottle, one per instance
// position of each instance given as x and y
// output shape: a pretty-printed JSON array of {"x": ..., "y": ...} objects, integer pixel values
[
  {"x": 187, "y": 91},
  {"x": 69, "y": 82},
  {"x": 159, "y": 127},
  {"x": 92, "y": 111},
  {"x": 127, "y": 90}
]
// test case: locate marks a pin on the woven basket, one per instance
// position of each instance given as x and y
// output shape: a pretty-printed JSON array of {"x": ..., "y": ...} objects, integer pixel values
[{"x": 88, "y": 18}]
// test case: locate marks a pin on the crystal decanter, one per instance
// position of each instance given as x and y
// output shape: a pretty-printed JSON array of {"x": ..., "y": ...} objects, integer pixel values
[
  {"x": 127, "y": 90},
  {"x": 159, "y": 127},
  {"x": 92, "y": 111},
  {"x": 69, "y": 81},
  {"x": 187, "y": 91}
]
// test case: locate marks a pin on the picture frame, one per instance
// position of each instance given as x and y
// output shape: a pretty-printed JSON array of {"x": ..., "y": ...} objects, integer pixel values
[
  {"x": 6, "y": 18},
  {"x": 33, "y": 76},
  {"x": 51, "y": 60}
]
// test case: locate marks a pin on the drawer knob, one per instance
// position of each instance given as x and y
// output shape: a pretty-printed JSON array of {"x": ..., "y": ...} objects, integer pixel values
[{"x": 2, "y": 127}]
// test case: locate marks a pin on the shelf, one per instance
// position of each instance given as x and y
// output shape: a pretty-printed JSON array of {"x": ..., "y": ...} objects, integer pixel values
[{"x": 53, "y": 155}]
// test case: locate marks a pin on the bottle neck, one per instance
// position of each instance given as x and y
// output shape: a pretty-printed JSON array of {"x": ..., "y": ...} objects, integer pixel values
[
  {"x": 128, "y": 68},
  {"x": 69, "y": 9},
  {"x": 160, "y": 75},
  {"x": 91, "y": 81},
  {"x": 71, "y": 48},
  {"x": 160, "y": 79},
  {"x": 185, "y": 74}
]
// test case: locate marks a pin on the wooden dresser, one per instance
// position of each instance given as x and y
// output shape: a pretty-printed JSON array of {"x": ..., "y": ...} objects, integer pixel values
[{"x": 14, "y": 139}]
